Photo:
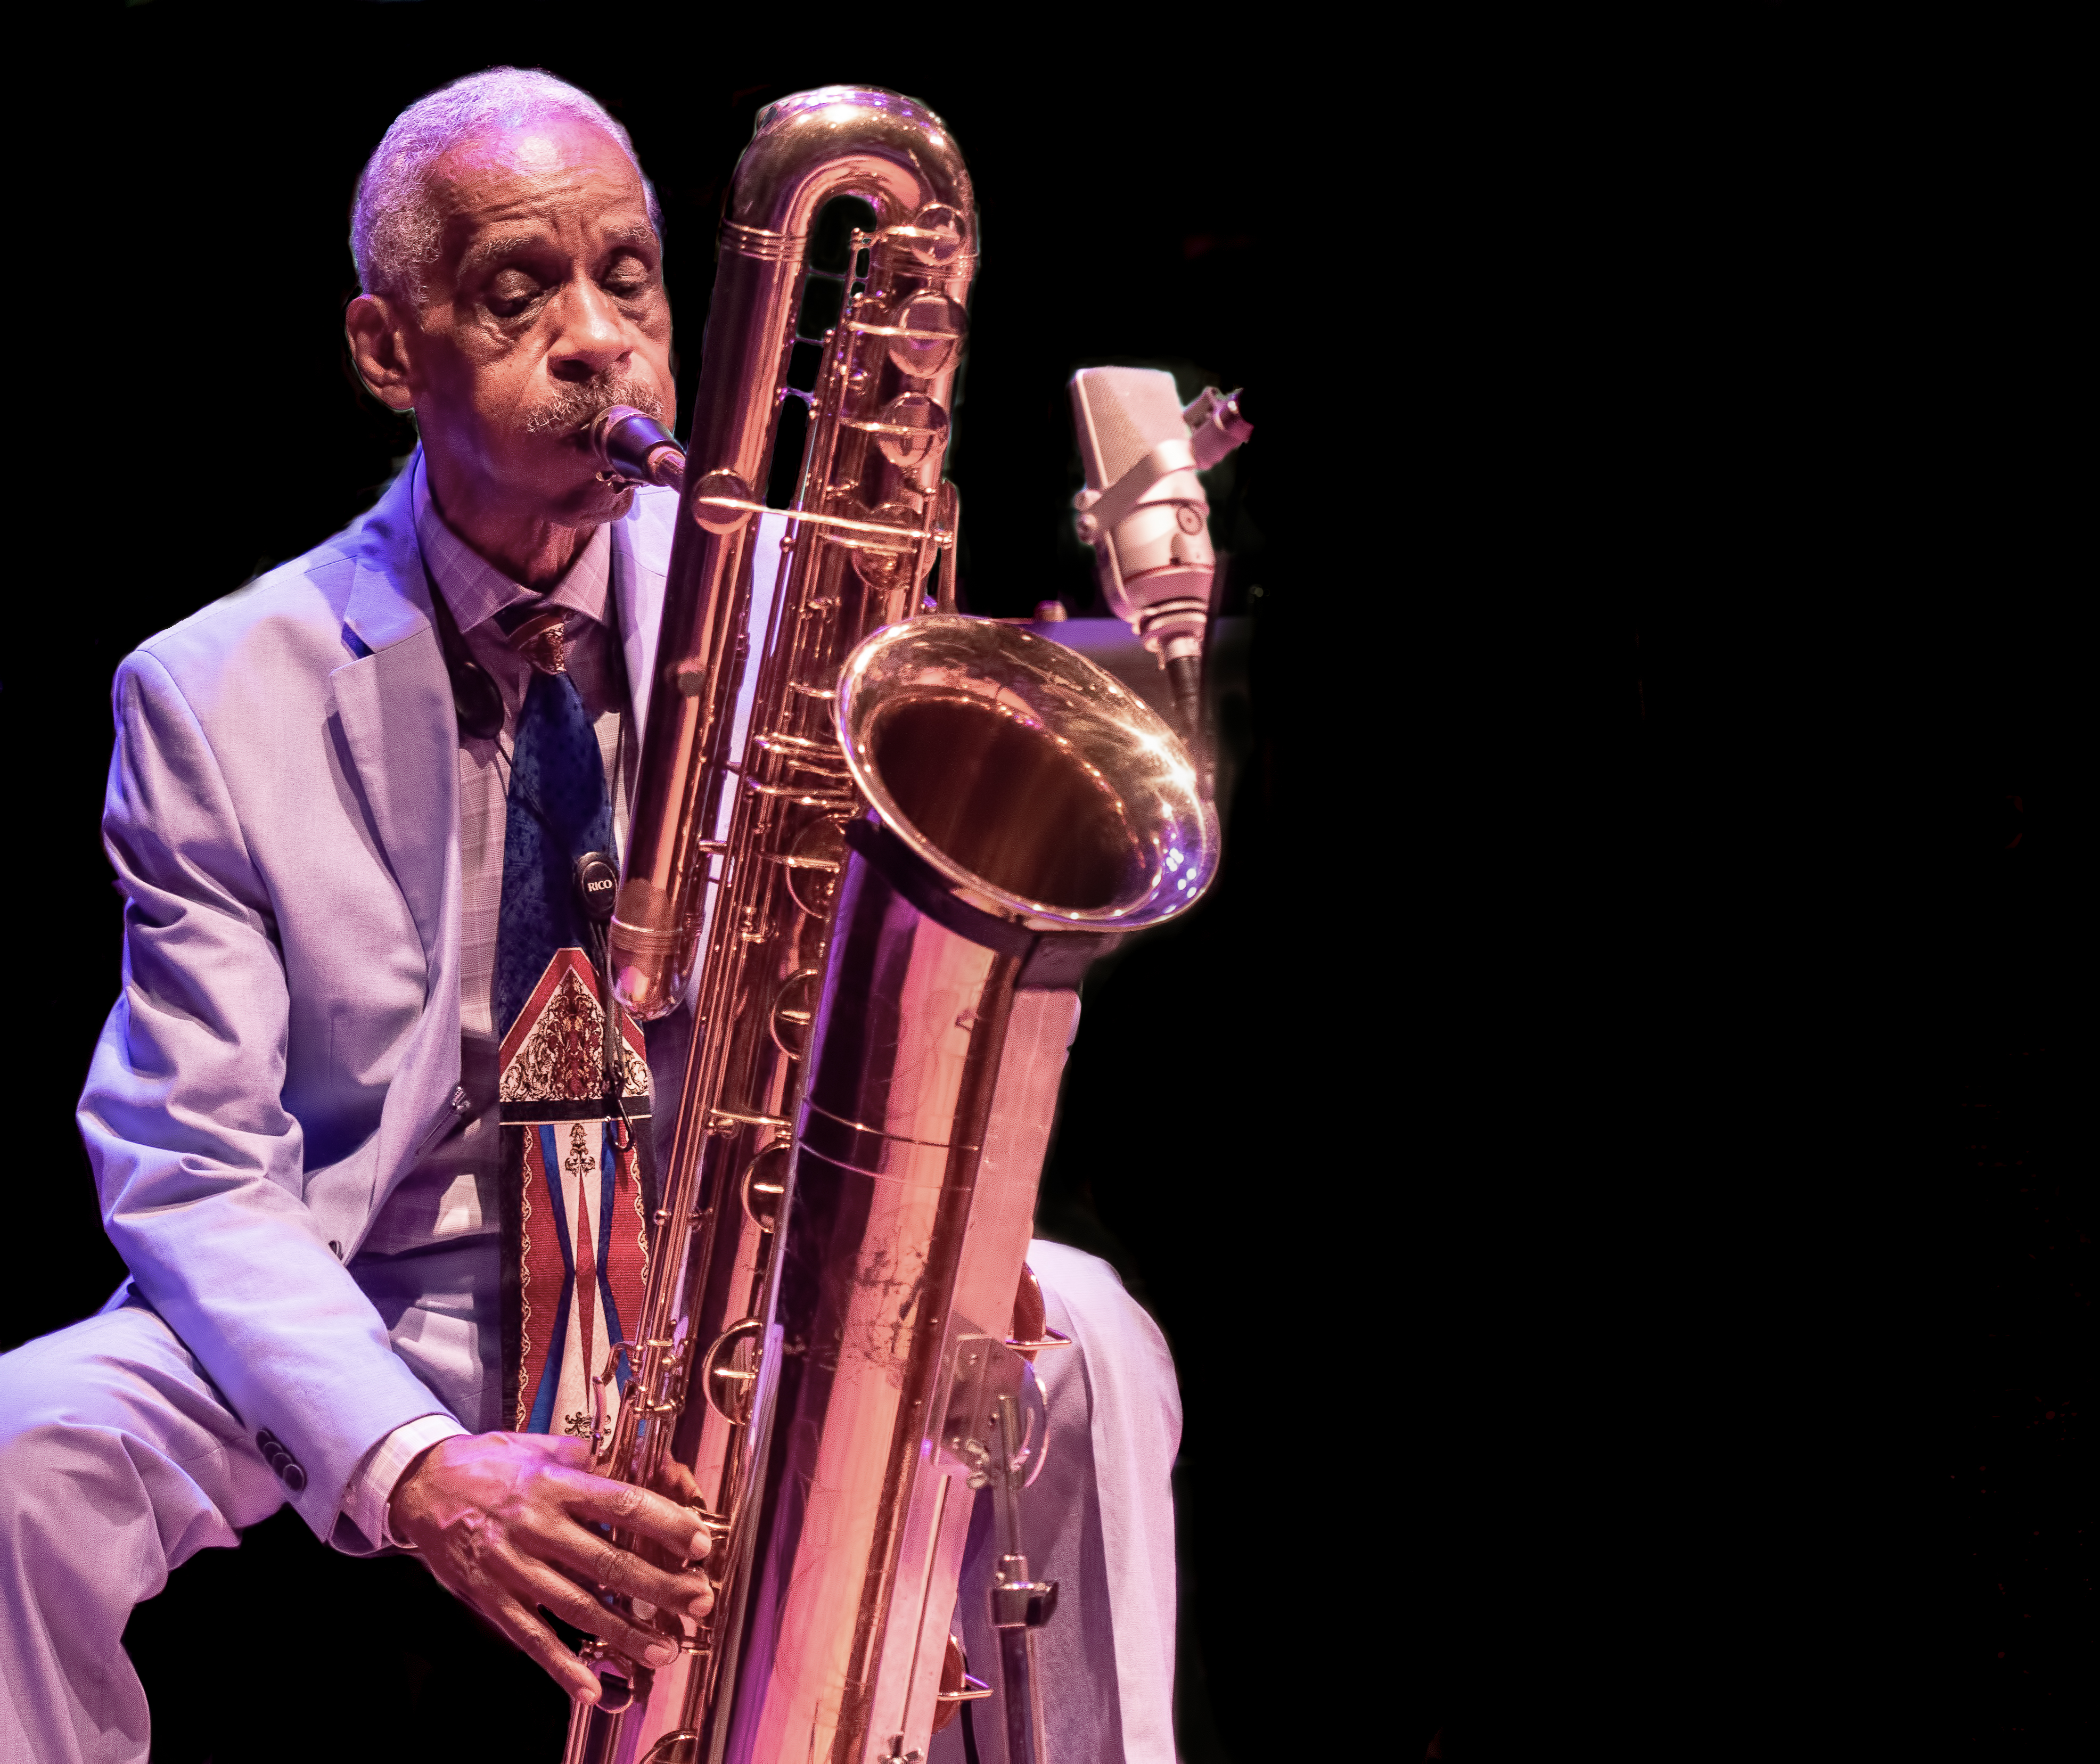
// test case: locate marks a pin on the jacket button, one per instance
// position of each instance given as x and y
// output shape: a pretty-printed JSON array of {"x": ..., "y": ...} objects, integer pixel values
[{"x": 287, "y": 1467}]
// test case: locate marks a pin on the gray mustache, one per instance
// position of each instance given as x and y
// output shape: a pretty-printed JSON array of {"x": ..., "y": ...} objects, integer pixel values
[{"x": 573, "y": 408}]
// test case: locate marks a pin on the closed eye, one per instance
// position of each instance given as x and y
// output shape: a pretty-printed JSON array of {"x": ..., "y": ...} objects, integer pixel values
[
  {"x": 512, "y": 292},
  {"x": 626, "y": 277}
]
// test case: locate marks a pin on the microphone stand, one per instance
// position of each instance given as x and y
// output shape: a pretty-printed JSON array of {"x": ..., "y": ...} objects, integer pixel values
[{"x": 1020, "y": 1606}]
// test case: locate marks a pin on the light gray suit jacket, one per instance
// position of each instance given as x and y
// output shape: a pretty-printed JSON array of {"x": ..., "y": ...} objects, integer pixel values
[{"x": 283, "y": 813}]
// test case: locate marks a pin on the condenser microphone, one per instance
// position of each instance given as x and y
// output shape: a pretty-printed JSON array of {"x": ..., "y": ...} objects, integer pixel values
[{"x": 1145, "y": 513}]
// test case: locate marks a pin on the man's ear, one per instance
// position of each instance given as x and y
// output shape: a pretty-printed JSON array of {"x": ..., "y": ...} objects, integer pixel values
[{"x": 381, "y": 334}]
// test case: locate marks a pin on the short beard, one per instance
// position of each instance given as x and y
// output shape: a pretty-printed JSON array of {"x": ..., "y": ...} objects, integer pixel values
[{"x": 572, "y": 408}]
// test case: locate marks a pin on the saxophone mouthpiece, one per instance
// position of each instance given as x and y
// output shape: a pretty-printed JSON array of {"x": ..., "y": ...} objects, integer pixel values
[{"x": 632, "y": 447}]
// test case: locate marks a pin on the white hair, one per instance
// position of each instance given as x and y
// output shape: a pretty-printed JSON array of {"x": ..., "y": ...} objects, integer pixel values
[{"x": 395, "y": 231}]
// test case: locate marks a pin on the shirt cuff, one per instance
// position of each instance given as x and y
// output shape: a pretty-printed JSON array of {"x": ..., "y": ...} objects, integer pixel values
[{"x": 365, "y": 1500}]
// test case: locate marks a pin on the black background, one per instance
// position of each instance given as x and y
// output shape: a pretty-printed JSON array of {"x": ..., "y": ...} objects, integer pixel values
[{"x": 1607, "y": 1157}]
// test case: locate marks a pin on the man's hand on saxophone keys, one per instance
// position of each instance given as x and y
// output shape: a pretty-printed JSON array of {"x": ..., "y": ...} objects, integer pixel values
[{"x": 503, "y": 1520}]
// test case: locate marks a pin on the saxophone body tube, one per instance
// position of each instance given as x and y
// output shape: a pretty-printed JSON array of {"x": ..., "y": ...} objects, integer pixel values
[{"x": 1025, "y": 812}]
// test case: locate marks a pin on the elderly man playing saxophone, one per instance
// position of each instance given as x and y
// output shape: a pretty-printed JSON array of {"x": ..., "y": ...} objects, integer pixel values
[{"x": 289, "y": 1113}]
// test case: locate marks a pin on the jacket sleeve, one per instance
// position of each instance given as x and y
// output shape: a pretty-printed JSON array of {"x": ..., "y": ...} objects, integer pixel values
[{"x": 199, "y": 1165}]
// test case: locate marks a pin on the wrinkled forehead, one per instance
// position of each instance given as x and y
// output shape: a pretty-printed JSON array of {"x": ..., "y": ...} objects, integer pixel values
[{"x": 558, "y": 170}]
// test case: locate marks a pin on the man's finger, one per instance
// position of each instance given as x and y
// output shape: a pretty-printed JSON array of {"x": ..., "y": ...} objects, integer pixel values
[
  {"x": 621, "y": 1504},
  {"x": 600, "y": 1563},
  {"x": 573, "y": 1605},
  {"x": 522, "y": 1625},
  {"x": 678, "y": 1482}
]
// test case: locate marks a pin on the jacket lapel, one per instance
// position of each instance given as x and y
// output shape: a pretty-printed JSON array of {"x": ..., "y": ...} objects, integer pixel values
[
  {"x": 394, "y": 707},
  {"x": 396, "y": 710}
]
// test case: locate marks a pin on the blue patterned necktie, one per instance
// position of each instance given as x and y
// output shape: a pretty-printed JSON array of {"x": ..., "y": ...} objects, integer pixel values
[
  {"x": 557, "y": 809},
  {"x": 577, "y": 1186}
]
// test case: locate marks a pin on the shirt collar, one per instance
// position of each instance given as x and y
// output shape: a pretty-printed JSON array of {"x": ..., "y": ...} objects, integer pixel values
[{"x": 476, "y": 590}]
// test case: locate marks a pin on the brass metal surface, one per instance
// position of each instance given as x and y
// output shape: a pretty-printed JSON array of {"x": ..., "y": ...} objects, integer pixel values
[{"x": 928, "y": 824}]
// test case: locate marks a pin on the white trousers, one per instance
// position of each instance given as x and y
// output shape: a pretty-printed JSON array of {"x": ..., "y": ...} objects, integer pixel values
[{"x": 119, "y": 1460}]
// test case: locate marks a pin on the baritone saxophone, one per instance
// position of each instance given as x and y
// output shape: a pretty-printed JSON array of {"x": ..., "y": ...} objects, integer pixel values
[{"x": 876, "y": 889}]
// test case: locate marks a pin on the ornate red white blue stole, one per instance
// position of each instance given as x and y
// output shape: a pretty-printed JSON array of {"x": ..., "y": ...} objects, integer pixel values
[{"x": 580, "y": 1191}]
